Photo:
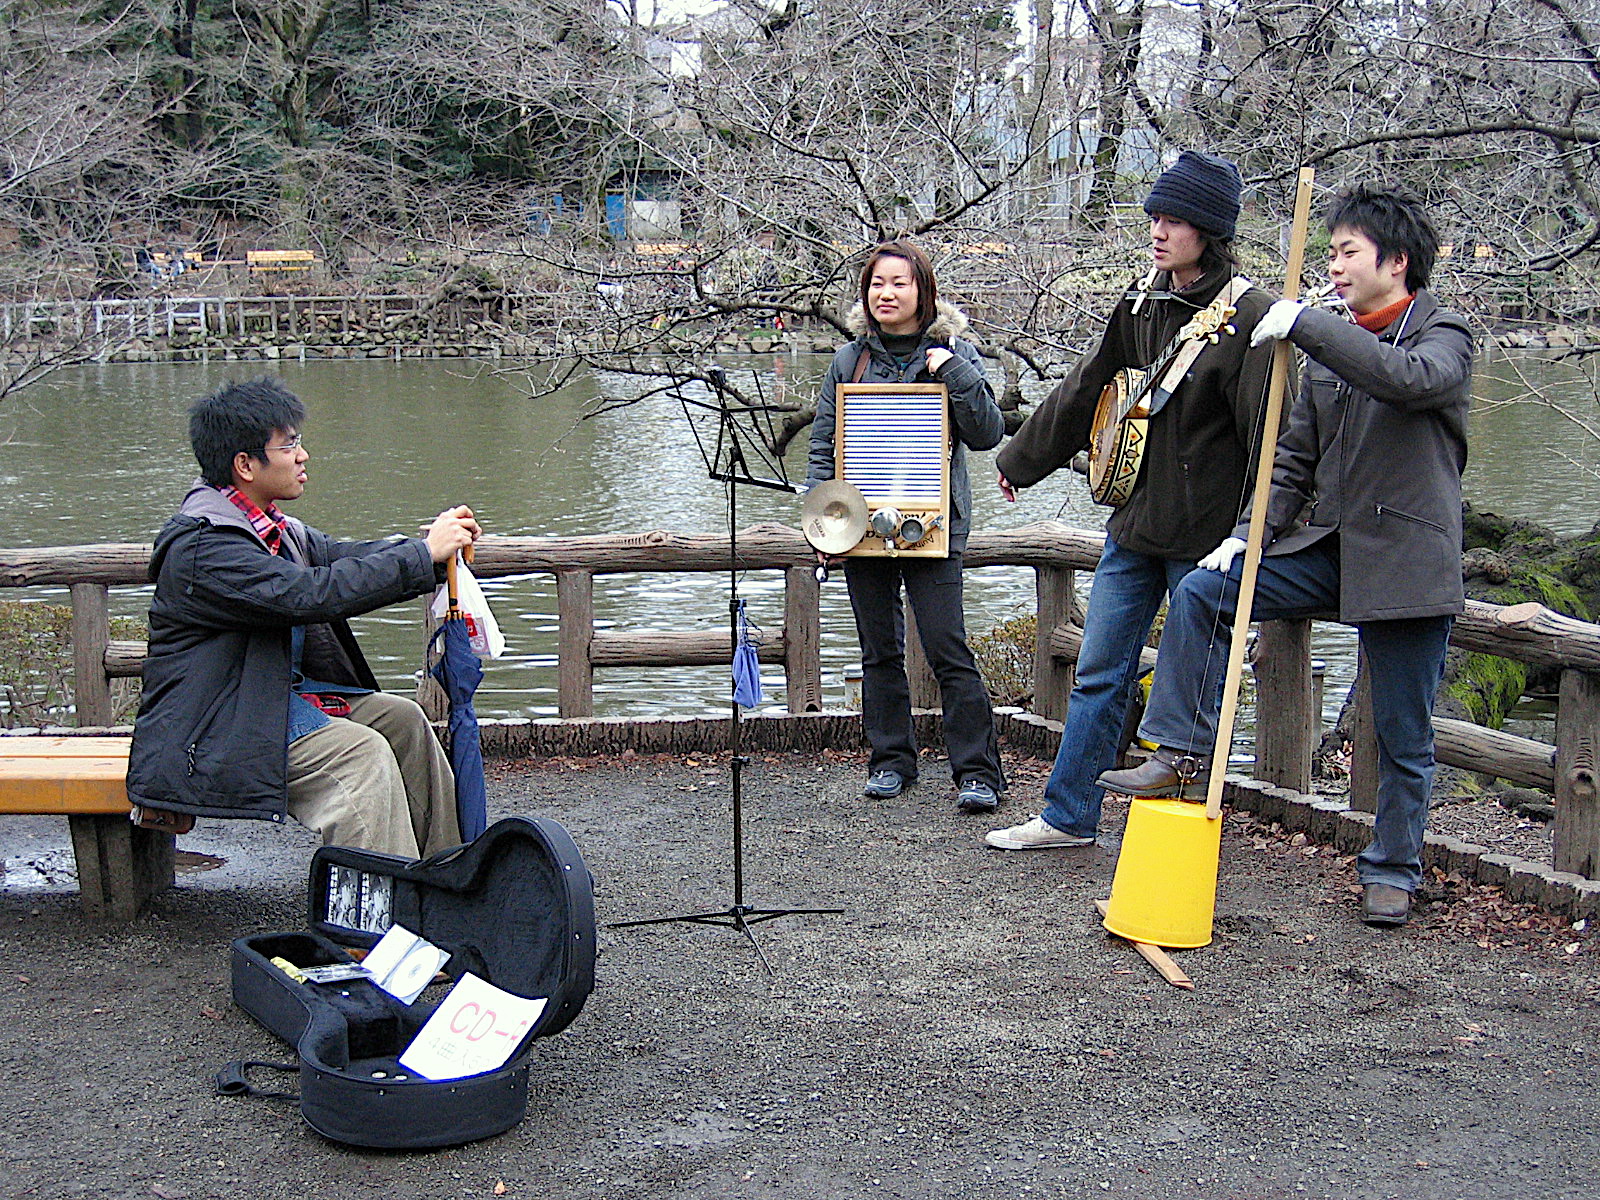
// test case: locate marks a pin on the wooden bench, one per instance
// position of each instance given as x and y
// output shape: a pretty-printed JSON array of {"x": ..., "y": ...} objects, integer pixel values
[
  {"x": 279, "y": 260},
  {"x": 120, "y": 865}
]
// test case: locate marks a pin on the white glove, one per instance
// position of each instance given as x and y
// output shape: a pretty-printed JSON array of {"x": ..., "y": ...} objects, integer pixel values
[
  {"x": 1276, "y": 321},
  {"x": 1222, "y": 557}
]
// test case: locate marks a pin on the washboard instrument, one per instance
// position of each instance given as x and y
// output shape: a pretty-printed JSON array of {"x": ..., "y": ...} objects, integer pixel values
[
  {"x": 1121, "y": 426},
  {"x": 892, "y": 443}
]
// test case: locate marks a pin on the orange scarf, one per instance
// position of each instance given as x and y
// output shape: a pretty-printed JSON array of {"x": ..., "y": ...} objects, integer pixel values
[{"x": 1377, "y": 322}]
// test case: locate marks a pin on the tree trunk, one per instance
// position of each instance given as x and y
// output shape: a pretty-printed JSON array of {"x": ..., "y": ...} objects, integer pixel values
[{"x": 1120, "y": 34}]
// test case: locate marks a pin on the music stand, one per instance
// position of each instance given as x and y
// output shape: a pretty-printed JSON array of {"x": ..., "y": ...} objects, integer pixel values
[{"x": 728, "y": 455}]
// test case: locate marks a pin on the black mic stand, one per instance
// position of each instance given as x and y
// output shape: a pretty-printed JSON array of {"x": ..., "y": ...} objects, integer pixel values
[{"x": 726, "y": 462}]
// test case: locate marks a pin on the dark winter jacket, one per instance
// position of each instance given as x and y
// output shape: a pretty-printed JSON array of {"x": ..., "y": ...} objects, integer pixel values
[
  {"x": 1193, "y": 483},
  {"x": 211, "y": 734},
  {"x": 1375, "y": 449},
  {"x": 975, "y": 417}
]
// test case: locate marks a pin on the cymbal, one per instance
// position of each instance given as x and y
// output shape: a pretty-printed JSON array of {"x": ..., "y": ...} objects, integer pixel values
[{"x": 834, "y": 516}]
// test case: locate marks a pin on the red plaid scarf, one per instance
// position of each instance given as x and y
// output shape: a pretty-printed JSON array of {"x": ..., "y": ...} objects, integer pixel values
[{"x": 268, "y": 522}]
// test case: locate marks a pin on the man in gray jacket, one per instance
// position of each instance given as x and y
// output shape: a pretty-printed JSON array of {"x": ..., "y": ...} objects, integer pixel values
[{"x": 1364, "y": 517}]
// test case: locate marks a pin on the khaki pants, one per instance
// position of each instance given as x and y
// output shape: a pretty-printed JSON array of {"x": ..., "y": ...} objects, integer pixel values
[{"x": 377, "y": 780}]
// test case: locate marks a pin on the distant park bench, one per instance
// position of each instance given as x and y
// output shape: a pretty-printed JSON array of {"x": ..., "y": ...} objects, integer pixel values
[
  {"x": 279, "y": 260},
  {"x": 120, "y": 864}
]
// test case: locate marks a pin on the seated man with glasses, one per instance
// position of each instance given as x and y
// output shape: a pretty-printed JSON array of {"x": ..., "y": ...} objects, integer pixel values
[{"x": 257, "y": 701}]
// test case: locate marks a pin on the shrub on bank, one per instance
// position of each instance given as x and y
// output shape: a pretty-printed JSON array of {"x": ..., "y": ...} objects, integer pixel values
[
  {"x": 36, "y": 666},
  {"x": 1005, "y": 659}
]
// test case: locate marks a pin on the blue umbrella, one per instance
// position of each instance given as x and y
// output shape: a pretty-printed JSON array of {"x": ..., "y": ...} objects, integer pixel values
[
  {"x": 459, "y": 672},
  {"x": 746, "y": 666}
]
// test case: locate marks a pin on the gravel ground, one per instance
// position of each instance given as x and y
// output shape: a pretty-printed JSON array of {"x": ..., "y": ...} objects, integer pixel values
[{"x": 965, "y": 1028}]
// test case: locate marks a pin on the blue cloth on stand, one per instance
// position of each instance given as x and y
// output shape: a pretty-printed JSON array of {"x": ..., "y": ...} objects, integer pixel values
[{"x": 746, "y": 666}]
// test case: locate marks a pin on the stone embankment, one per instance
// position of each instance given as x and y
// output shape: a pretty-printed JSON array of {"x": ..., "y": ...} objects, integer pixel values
[
  {"x": 258, "y": 347},
  {"x": 467, "y": 325},
  {"x": 474, "y": 342},
  {"x": 272, "y": 328},
  {"x": 1547, "y": 339},
  {"x": 487, "y": 342}
]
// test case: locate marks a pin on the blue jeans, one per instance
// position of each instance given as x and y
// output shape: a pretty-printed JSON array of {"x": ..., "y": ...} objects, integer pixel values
[
  {"x": 1123, "y": 601},
  {"x": 1405, "y": 658}
]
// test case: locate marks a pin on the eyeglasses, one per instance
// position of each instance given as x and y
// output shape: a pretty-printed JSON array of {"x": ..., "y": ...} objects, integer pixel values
[{"x": 292, "y": 444}]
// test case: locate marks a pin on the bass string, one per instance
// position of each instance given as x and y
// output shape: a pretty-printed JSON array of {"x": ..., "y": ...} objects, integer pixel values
[
  {"x": 1321, "y": 297},
  {"x": 1246, "y": 491}
]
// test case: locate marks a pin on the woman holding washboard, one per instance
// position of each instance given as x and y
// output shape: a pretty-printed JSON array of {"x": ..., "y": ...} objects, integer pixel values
[{"x": 906, "y": 335}]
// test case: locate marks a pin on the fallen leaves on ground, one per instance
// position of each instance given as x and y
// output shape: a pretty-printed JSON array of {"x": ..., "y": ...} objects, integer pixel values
[{"x": 1448, "y": 906}]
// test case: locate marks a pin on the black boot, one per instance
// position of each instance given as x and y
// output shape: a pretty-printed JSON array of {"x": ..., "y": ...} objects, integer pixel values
[{"x": 1173, "y": 774}]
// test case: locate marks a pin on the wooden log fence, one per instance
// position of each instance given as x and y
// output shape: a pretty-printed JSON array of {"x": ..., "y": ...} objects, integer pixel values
[
  {"x": 277, "y": 317},
  {"x": 1287, "y": 714}
]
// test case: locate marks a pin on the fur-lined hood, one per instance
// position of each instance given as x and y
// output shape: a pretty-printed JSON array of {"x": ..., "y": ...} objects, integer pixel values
[{"x": 948, "y": 322}]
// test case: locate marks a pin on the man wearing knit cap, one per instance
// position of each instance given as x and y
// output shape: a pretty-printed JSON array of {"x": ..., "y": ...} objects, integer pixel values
[
  {"x": 1364, "y": 518},
  {"x": 1191, "y": 487}
]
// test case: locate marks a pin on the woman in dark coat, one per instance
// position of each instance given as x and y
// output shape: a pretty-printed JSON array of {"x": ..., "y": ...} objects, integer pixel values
[{"x": 906, "y": 335}]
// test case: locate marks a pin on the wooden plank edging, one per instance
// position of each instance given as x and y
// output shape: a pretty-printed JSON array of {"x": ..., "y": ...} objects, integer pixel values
[{"x": 1328, "y": 821}]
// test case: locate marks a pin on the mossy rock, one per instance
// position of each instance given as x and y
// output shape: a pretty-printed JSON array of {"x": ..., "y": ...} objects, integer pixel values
[
  {"x": 1482, "y": 688},
  {"x": 1509, "y": 561},
  {"x": 1499, "y": 577}
]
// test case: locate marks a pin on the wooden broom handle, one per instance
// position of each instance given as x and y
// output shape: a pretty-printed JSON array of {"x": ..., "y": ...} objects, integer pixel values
[{"x": 1258, "y": 502}]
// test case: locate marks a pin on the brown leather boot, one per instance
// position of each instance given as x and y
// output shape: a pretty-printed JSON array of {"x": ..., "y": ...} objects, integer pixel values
[
  {"x": 1385, "y": 904},
  {"x": 1173, "y": 774}
]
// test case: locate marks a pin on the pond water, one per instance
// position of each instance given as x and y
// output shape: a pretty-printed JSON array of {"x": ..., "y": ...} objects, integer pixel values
[{"x": 99, "y": 454}]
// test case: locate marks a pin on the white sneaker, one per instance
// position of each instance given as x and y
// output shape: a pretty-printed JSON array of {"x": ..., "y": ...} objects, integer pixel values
[{"x": 1033, "y": 834}]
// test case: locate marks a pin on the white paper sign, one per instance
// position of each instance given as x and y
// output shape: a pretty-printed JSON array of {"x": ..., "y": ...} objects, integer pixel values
[
  {"x": 403, "y": 964},
  {"x": 475, "y": 1029}
]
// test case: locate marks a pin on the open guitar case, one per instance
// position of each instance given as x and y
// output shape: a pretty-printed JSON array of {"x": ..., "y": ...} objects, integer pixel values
[{"x": 514, "y": 907}]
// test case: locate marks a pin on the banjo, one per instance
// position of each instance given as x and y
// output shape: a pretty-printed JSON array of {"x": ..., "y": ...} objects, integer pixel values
[{"x": 1121, "y": 426}]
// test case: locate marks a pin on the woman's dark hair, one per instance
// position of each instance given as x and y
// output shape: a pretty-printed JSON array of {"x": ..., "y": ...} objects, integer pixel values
[
  {"x": 1394, "y": 220},
  {"x": 240, "y": 417},
  {"x": 921, "y": 271}
]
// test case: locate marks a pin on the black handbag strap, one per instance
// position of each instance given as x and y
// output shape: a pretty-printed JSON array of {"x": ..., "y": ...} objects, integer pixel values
[{"x": 234, "y": 1079}]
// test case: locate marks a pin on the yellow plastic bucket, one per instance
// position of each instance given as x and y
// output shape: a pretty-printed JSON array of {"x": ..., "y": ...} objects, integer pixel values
[{"x": 1165, "y": 890}]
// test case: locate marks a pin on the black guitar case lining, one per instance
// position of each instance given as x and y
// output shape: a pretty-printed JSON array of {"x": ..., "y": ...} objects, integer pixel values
[{"x": 515, "y": 908}]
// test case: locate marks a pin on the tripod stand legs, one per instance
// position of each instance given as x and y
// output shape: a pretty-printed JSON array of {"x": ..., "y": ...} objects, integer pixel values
[{"x": 740, "y": 917}]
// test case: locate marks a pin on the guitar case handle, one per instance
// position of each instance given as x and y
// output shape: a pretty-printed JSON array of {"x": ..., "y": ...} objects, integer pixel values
[{"x": 234, "y": 1079}]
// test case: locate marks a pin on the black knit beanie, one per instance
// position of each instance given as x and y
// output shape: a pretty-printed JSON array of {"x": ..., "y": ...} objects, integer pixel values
[{"x": 1201, "y": 189}]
